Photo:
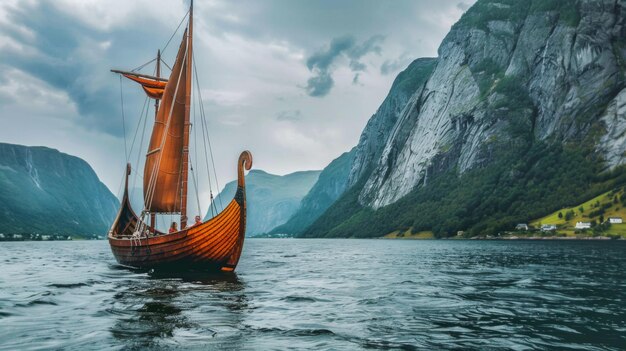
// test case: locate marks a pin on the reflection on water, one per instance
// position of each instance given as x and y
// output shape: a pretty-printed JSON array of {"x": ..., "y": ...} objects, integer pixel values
[
  {"x": 149, "y": 314},
  {"x": 321, "y": 294}
]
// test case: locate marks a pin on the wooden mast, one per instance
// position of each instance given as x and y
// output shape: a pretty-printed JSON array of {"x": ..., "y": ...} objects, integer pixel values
[
  {"x": 156, "y": 111},
  {"x": 185, "y": 160},
  {"x": 158, "y": 75}
]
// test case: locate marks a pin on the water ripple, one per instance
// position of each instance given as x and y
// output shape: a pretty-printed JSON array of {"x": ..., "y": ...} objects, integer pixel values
[{"x": 289, "y": 294}]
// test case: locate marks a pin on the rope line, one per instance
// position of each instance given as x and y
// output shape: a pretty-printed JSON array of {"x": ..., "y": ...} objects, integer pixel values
[
  {"x": 195, "y": 147},
  {"x": 143, "y": 133},
  {"x": 195, "y": 185},
  {"x": 132, "y": 144},
  {"x": 205, "y": 128},
  {"x": 166, "y": 65},
  {"x": 142, "y": 66},
  {"x": 123, "y": 121},
  {"x": 175, "y": 31}
]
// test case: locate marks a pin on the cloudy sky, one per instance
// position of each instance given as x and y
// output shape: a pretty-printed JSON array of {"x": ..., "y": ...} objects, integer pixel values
[{"x": 292, "y": 81}]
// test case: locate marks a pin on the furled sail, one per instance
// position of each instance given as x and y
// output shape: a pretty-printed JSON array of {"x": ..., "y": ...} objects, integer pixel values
[
  {"x": 153, "y": 88},
  {"x": 163, "y": 172}
]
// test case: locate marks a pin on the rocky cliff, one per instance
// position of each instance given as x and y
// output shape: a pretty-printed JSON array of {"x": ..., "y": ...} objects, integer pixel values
[
  {"x": 565, "y": 59},
  {"x": 387, "y": 118},
  {"x": 45, "y": 191},
  {"x": 516, "y": 83},
  {"x": 271, "y": 199}
]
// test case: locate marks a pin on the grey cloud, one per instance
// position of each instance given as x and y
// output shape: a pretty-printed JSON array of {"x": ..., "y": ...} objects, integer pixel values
[
  {"x": 370, "y": 45},
  {"x": 289, "y": 115},
  {"x": 59, "y": 42},
  {"x": 320, "y": 85},
  {"x": 357, "y": 66},
  {"x": 323, "y": 59},
  {"x": 321, "y": 62}
]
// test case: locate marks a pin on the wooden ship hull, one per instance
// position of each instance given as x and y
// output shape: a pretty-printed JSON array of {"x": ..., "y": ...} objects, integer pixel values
[{"x": 212, "y": 245}]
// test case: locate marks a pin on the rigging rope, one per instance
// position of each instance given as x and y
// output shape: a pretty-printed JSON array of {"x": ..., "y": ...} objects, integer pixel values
[
  {"x": 132, "y": 144},
  {"x": 195, "y": 185},
  {"x": 142, "y": 66},
  {"x": 207, "y": 137},
  {"x": 175, "y": 31},
  {"x": 179, "y": 183},
  {"x": 195, "y": 147},
  {"x": 166, "y": 65},
  {"x": 143, "y": 133},
  {"x": 211, "y": 206},
  {"x": 123, "y": 121}
]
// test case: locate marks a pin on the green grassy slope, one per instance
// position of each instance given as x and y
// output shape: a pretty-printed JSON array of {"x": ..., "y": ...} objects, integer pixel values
[{"x": 596, "y": 210}]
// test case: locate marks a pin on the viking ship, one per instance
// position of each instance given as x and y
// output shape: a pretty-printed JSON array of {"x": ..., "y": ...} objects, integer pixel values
[{"x": 215, "y": 244}]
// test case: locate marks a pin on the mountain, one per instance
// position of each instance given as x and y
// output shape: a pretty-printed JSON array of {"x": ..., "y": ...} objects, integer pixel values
[
  {"x": 271, "y": 199},
  {"x": 332, "y": 182},
  {"x": 522, "y": 113},
  {"x": 336, "y": 177},
  {"x": 45, "y": 191}
]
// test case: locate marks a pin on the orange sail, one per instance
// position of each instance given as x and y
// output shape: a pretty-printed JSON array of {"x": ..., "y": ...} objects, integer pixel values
[
  {"x": 154, "y": 88},
  {"x": 163, "y": 172}
]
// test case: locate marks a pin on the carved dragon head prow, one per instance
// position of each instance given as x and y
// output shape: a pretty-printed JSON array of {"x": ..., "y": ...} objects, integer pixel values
[{"x": 245, "y": 161}]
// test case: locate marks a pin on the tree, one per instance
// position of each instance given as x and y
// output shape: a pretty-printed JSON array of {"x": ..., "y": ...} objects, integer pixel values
[
  {"x": 601, "y": 218},
  {"x": 560, "y": 215},
  {"x": 581, "y": 209}
]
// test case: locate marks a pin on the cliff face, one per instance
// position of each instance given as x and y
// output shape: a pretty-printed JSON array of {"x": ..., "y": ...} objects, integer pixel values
[
  {"x": 547, "y": 69},
  {"x": 271, "y": 199},
  {"x": 523, "y": 111},
  {"x": 45, "y": 191},
  {"x": 387, "y": 118}
]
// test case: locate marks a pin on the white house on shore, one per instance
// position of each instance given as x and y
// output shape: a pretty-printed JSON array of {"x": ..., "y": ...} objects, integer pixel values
[
  {"x": 583, "y": 225},
  {"x": 521, "y": 226},
  {"x": 615, "y": 220},
  {"x": 548, "y": 227}
]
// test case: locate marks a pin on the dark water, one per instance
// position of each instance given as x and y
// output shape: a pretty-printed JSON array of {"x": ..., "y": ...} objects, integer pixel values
[{"x": 322, "y": 294}]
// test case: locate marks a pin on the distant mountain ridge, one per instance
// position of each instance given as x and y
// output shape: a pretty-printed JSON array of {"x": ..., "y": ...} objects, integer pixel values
[
  {"x": 331, "y": 184},
  {"x": 46, "y": 191},
  {"x": 271, "y": 199}
]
